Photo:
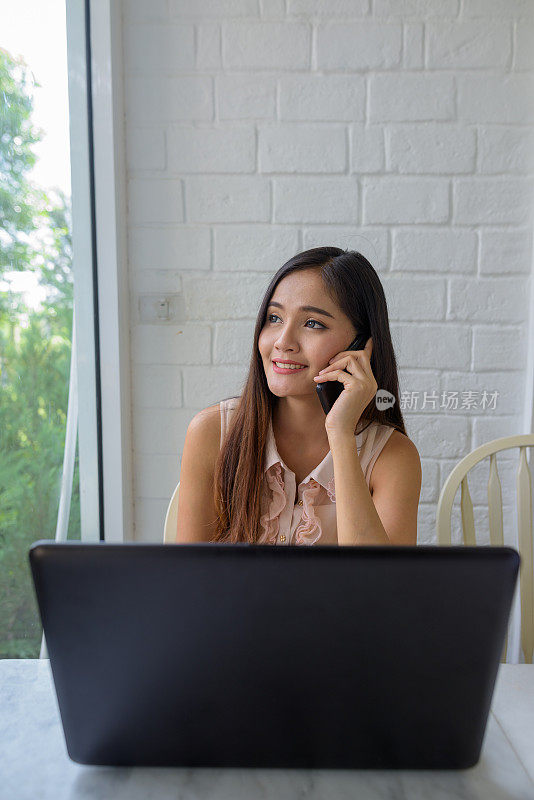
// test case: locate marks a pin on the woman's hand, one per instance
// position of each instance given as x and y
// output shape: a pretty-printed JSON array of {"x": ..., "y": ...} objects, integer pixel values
[{"x": 353, "y": 369}]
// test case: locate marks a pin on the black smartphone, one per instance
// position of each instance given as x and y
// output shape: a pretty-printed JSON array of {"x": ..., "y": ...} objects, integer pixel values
[{"x": 329, "y": 391}]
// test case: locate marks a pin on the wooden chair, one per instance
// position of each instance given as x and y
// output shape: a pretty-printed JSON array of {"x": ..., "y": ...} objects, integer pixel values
[
  {"x": 458, "y": 477},
  {"x": 171, "y": 518}
]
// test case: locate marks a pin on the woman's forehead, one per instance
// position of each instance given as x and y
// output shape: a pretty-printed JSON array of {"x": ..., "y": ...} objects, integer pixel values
[{"x": 303, "y": 288}]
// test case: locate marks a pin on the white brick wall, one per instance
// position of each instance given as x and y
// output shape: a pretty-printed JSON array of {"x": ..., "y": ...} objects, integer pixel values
[{"x": 401, "y": 128}]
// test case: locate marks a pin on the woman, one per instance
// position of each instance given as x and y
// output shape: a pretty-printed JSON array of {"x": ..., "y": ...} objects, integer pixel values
[{"x": 269, "y": 467}]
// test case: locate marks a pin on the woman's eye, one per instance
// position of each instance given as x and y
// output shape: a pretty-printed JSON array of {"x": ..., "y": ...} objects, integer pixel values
[{"x": 310, "y": 320}]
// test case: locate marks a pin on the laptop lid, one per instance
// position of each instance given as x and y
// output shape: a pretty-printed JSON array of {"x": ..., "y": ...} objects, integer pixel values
[{"x": 259, "y": 656}]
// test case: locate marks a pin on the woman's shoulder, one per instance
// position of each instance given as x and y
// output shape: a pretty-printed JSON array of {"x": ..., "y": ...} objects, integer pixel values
[
  {"x": 398, "y": 444},
  {"x": 209, "y": 421},
  {"x": 395, "y": 437},
  {"x": 207, "y": 424},
  {"x": 398, "y": 454},
  {"x": 384, "y": 428},
  {"x": 208, "y": 414}
]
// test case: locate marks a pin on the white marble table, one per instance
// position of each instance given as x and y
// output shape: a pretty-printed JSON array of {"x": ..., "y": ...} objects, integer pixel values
[{"x": 34, "y": 764}]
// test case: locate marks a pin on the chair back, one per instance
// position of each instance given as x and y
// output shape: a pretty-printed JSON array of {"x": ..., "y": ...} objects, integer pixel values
[
  {"x": 458, "y": 477},
  {"x": 171, "y": 518}
]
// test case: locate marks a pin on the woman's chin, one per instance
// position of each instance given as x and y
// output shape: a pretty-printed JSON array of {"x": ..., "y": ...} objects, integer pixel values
[{"x": 280, "y": 392}]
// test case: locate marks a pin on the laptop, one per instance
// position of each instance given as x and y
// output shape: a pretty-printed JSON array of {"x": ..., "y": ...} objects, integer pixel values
[{"x": 240, "y": 655}]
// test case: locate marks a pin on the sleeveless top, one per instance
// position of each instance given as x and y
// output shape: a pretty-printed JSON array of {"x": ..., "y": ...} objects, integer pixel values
[{"x": 312, "y": 519}]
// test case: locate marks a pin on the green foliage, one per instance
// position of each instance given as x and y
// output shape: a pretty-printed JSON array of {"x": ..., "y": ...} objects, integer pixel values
[
  {"x": 35, "y": 347},
  {"x": 20, "y": 200}
]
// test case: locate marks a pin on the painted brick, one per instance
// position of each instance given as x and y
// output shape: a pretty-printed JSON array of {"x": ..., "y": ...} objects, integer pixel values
[
  {"x": 485, "y": 429},
  {"x": 430, "y": 148},
  {"x": 172, "y": 345},
  {"x": 496, "y": 98},
  {"x": 149, "y": 519},
  {"x": 155, "y": 200},
  {"x": 227, "y": 149},
  {"x": 156, "y": 476},
  {"x": 218, "y": 297},
  {"x": 505, "y": 149},
  {"x": 405, "y": 200},
  {"x": 245, "y": 96},
  {"x": 364, "y": 45},
  {"x": 169, "y": 248},
  {"x": 524, "y": 52},
  {"x": 367, "y": 148},
  {"x": 302, "y": 148},
  {"x": 169, "y": 99},
  {"x": 498, "y": 8},
  {"x": 373, "y": 243},
  {"x": 432, "y": 346},
  {"x": 315, "y": 199},
  {"x": 328, "y": 8},
  {"x": 416, "y": 386},
  {"x": 272, "y": 8},
  {"x": 229, "y": 199},
  {"x": 434, "y": 250},
  {"x": 212, "y": 8},
  {"x": 139, "y": 11},
  {"x": 505, "y": 251},
  {"x": 154, "y": 281},
  {"x": 508, "y": 385},
  {"x": 145, "y": 148},
  {"x": 503, "y": 349},
  {"x": 209, "y": 49},
  {"x": 413, "y": 97},
  {"x": 488, "y": 299},
  {"x": 322, "y": 97},
  {"x": 233, "y": 342},
  {"x": 426, "y": 522},
  {"x": 469, "y": 45},
  {"x": 263, "y": 65},
  {"x": 203, "y": 387},
  {"x": 441, "y": 435},
  {"x": 266, "y": 45},
  {"x": 417, "y": 8},
  {"x": 492, "y": 201},
  {"x": 155, "y": 386},
  {"x": 410, "y": 298},
  {"x": 162, "y": 432},
  {"x": 251, "y": 248},
  {"x": 166, "y": 48},
  {"x": 412, "y": 45}
]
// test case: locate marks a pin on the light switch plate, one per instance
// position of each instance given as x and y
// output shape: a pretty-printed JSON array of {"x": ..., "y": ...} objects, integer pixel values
[{"x": 155, "y": 309}]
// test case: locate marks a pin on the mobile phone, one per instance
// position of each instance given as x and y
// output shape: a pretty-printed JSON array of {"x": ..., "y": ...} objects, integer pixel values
[{"x": 329, "y": 391}]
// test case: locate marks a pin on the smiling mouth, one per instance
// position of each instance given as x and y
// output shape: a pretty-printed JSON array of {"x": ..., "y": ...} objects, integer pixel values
[{"x": 288, "y": 367}]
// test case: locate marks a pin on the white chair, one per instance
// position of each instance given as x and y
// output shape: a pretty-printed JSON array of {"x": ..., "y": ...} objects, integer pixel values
[
  {"x": 171, "y": 518},
  {"x": 458, "y": 477}
]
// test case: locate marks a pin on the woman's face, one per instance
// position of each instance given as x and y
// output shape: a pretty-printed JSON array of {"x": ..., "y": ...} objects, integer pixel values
[{"x": 310, "y": 338}]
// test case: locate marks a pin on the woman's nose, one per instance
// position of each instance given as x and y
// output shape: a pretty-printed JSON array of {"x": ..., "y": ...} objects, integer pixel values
[{"x": 287, "y": 336}]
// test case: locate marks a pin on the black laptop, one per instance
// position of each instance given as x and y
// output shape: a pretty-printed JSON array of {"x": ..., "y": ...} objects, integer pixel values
[{"x": 238, "y": 655}]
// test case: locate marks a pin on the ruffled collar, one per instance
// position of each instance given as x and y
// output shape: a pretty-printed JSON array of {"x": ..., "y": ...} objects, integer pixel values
[
  {"x": 309, "y": 529},
  {"x": 323, "y": 473}
]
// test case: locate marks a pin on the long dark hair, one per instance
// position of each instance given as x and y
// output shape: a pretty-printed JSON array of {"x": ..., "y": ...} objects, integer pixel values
[{"x": 352, "y": 283}]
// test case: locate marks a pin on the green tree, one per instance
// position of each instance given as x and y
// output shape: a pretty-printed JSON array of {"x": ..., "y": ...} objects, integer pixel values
[
  {"x": 35, "y": 348},
  {"x": 20, "y": 200}
]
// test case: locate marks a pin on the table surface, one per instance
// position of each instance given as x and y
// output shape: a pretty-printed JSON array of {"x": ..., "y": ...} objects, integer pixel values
[{"x": 34, "y": 762}]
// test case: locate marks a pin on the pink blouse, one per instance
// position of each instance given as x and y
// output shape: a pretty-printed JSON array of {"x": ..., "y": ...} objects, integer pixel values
[{"x": 312, "y": 519}]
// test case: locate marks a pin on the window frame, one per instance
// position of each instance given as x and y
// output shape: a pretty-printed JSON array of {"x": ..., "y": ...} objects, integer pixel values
[{"x": 94, "y": 58}]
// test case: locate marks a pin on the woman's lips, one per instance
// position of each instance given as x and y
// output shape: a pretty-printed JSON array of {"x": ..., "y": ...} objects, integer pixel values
[{"x": 287, "y": 371}]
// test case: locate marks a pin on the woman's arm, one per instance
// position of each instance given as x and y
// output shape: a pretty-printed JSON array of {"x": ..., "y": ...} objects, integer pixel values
[{"x": 390, "y": 515}]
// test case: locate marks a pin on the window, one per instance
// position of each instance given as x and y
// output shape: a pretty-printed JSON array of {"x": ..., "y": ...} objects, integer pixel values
[{"x": 46, "y": 271}]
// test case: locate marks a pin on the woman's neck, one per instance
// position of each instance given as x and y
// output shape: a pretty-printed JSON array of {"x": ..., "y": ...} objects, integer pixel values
[{"x": 300, "y": 419}]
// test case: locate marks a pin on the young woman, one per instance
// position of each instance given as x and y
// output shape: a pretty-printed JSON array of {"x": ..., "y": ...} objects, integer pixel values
[{"x": 269, "y": 467}]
